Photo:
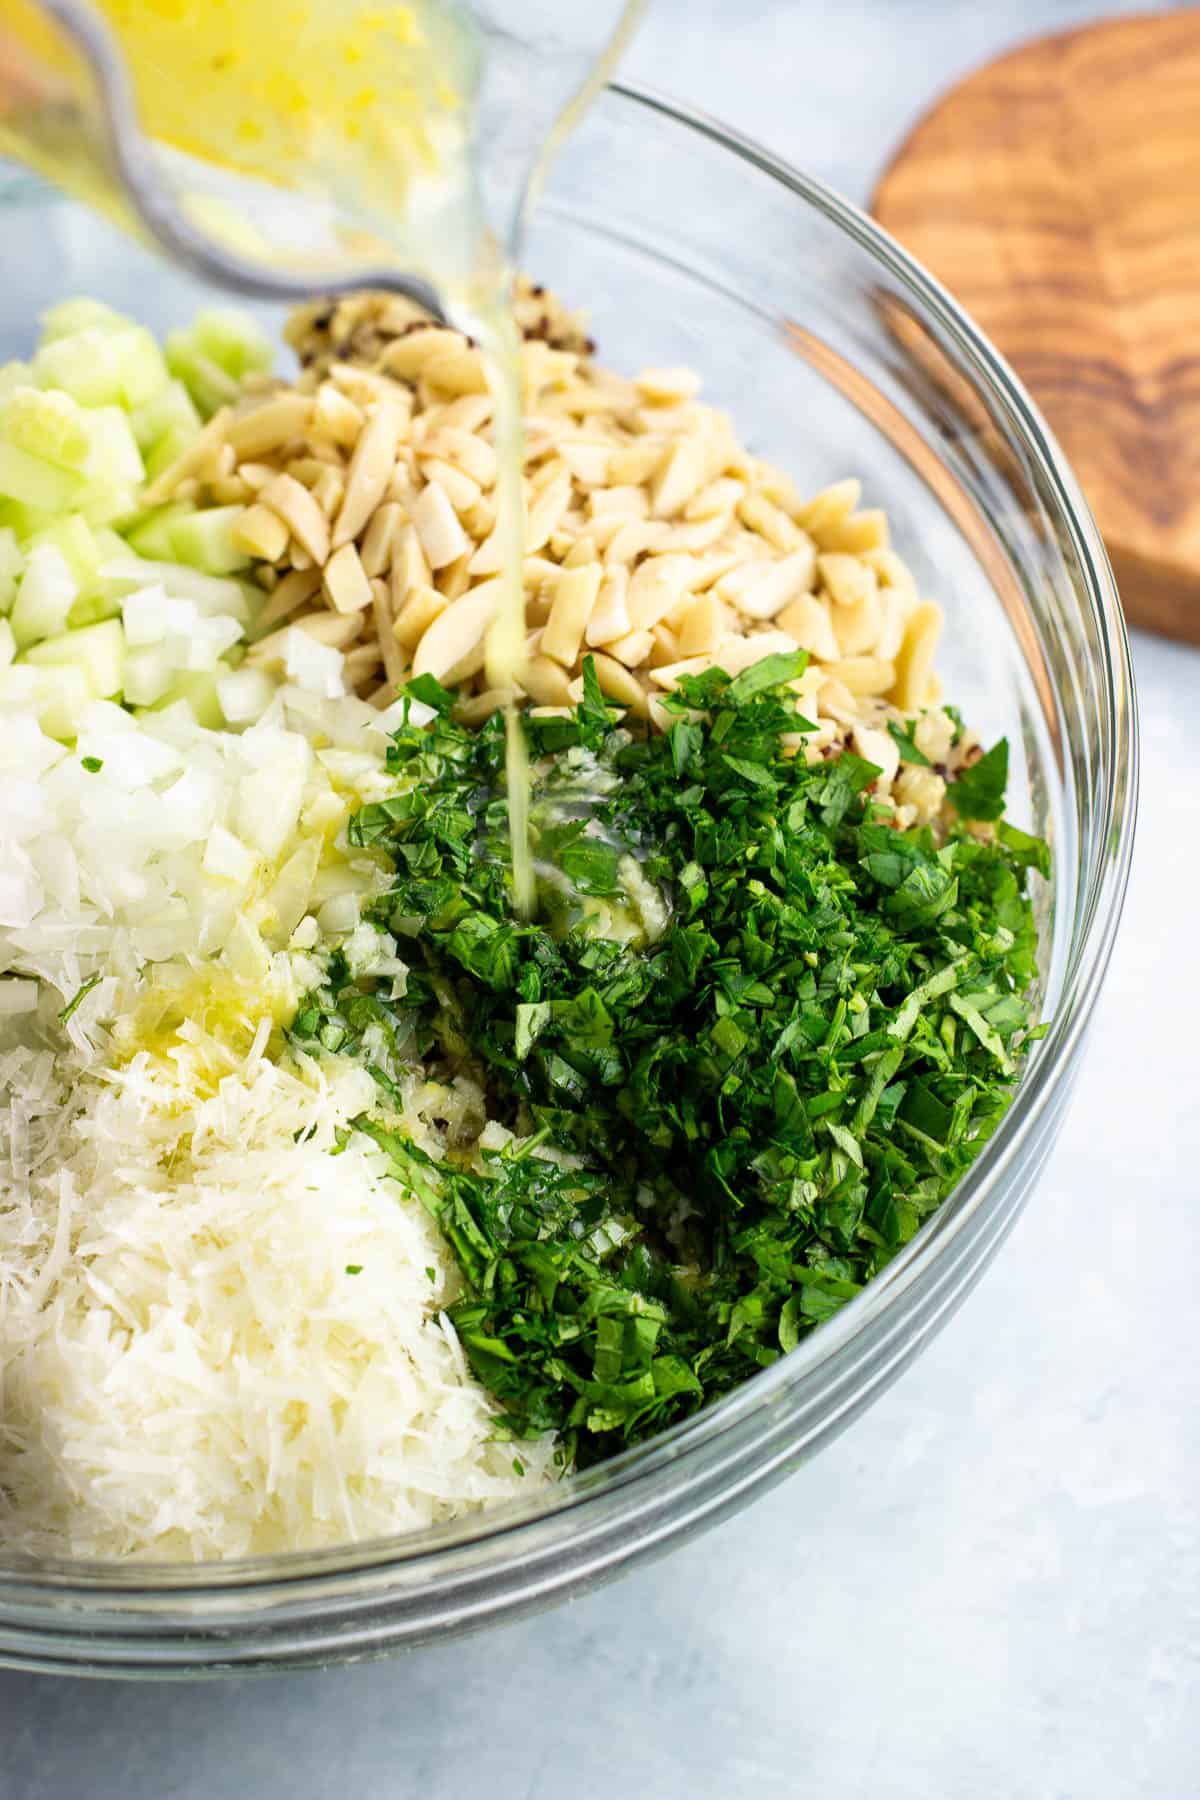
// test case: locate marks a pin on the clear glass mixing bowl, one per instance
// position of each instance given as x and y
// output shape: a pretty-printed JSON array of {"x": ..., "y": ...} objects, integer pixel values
[{"x": 836, "y": 355}]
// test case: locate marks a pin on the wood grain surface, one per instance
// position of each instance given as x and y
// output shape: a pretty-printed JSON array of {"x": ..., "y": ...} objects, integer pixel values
[{"x": 1056, "y": 192}]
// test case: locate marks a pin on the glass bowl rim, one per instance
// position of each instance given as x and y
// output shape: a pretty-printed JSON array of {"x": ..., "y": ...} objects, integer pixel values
[{"x": 496, "y": 1538}]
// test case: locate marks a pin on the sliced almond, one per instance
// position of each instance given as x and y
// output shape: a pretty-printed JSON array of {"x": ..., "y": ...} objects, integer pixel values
[
  {"x": 370, "y": 468},
  {"x": 183, "y": 468},
  {"x": 411, "y": 355},
  {"x": 632, "y": 650},
  {"x": 610, "y": 616},
  {"x": 858, "y": 628},
  {"x": 262, "y": 533},
  {"x": 327, "y": 490},
  {"x": 376, "y": 547},
  {"x": 455, "y": 578},
  {"x": 635, "y": 538},
  {"x": 345, "y": 581},
  {"x": 892, "y": 571},
  {"x": 770, "y": 521},
  {"x": 716, "y": 500},
  {"x": 627, "y": 501},
  {"x": 655, "y": 586},
  {"x": 335, "y": 415},
  {"x": 410, "y": 566},
  {"x": 666, "y": 647},
  {"x": 574, "y": 597},
  {"x": 480, "y": 707},
  {"x": 442, "y": 537},
  {"x": 546, "y": 511},
  {"x": 546, "y": 682},
  {"x": 588, "y": 463},
  {"x": 256, "y": 474},
  {"x": 867, "y": 675},
  {"x": 465, "y": 372},
  {"x": 681, "y": 477},
  {"x": 667, "y": 386},
  {"x": 361, "y": 664},
  {"x": 421, "y": 606},
  {"x": 458, "y": 631},
  {"x": 278, "y": 421},
  {"x": 701, "y": 534},
  {"x": 848, "y": 580},
  {"x": 806, "y": 619},
  {"x": 394, "y": 660},
  {"x": 459, "y": 489},
  {"x": 859, "y": 532},
  {"x": 335, "y": 629},
  {"x": 635, "y": 463},
  {"x": 759, "y": 590},
  {"x": 829, "y": 507},
  {"x": 291, "y": 592},
  {"x": 300, "y": 513},
  {"x": 704, "y": 626},
  {"x": 914, "y": 665},
  {"x": 464, "y": 451}
]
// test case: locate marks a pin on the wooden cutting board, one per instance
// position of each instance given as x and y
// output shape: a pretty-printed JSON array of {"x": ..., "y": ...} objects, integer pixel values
[{"x": 1057, "y": 194}]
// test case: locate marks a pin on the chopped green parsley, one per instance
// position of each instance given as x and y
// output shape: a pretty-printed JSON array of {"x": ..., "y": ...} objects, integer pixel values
[{"x": 729, "y": 1114}]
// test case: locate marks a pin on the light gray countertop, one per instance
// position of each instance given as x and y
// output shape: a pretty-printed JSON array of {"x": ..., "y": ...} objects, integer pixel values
[{"x": 989, "y": 1587}]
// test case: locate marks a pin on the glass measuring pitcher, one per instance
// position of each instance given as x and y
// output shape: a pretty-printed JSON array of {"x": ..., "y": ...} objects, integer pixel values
[{"x": 283, "y": 146}]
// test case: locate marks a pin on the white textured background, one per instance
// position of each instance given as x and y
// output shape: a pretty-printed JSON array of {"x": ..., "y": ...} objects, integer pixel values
[{"x": 990, "y": 1586}]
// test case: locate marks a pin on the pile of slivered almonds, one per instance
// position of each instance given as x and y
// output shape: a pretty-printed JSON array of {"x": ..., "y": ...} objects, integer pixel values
[{"x": 654, "y": 542}]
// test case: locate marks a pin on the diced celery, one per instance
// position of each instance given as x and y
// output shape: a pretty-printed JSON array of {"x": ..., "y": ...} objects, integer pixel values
[
  {"x": 200, "y": 692},
  {"x": 79, "y": 314},
  {"x": 172, "y": 406},
  {"x": 204, "y": 540},
  {"x": 149, "y": 673},
  {"x": 12, "y": 564},
  {"x": 49, "y": 426},
  {"x": 8, "y": 644},
  {"x": 99, "y": 650},
  {"x": 206, "y": 381},
  {"x": 25, "y": 521},
  {"x": 114, "y": 468},
  {"x": 45, "y": 596},
  {"x": 35, "y": 483},
  {"x": 245, "y": 695},
  {"x": 74, "y": 539},
  {"x": 211, "y": 593},
  {"x": 89, "y": 609},
  {"x": 103, "y": 365},
  {"x": 58, "y": 695},
  {"x": 113, "y": 455},
  {"x": 167, "y": 449},
  {"x": 150, "y": 535},
  {"x": 232, "y": 339}
]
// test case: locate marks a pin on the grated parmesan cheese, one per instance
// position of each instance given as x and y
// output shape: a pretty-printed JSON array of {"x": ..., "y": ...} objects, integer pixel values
[{"x": 222, "y": 1325}]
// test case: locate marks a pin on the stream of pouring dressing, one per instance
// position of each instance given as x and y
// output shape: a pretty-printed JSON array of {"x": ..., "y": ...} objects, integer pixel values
[
  {"x": 369, "y": 112},
  {"x": 499, "y": 338}
]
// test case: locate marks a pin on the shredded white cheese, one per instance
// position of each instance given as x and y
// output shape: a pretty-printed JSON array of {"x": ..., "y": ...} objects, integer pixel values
[{"x": 220, "y": 1333}]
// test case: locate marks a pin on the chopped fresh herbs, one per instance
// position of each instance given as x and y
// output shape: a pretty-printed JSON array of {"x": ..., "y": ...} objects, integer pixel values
[
  {"x": 907, "y": 747},
  {"x": 354, "y": 1268},
  {"x": 979, "y": 791},
  {"x": 77, "y": 999},
  {"x": 752, "y": 1039},
  {"x": 93, "y": 764}
]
